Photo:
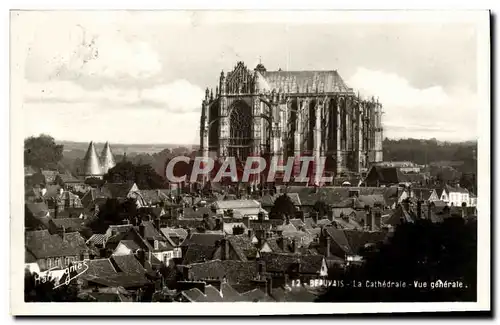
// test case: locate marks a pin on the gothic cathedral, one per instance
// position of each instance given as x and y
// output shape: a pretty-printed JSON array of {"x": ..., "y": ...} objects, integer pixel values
[{"x": 290, "y": 114}]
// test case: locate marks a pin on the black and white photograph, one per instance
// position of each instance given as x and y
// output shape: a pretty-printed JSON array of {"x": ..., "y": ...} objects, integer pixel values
[{"x": 330, "y": 158}]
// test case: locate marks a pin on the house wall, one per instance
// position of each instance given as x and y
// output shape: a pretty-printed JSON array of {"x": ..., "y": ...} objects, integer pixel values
[
  {"x": 167, "y": 256},
  {"x": 457, "y": 198},
  {"x": 59, "y": 261}
]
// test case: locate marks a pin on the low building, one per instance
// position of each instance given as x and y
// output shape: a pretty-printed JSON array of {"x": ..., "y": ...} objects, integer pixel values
[{"x": 242, "y": 208}]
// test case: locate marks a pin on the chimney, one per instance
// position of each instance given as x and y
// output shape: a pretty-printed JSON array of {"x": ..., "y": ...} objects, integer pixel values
[
  {"x": 142, "y": 229},
  {"x": 250, "y": 233},
  {"x": 330, "y": 214},
  {"x": 377, "y": 220},
  {"x": 295, "y": 246},
  {"x": 328, "y": 244},
  {"x": 281, "y": 243},
  {"x": 218, "y": 224},
  {"x": 368, "y": 221},
  {"x": 270, "y": 286},
  {"x": 260, "y": 216},
  {"x": 406, "y": 204},
  {"x": 287, "y": 220},
  {"x": 262, "y": 268},
  {"x": 224, "y": 254},
  {"x": 157, "y": 223},
  {"x": 246, "y": 221},
  {"x": 303, "y": 216},
  {"x": 315, "y": 217},
  {"x": 141, "y": 256},
  {"x": 185, "y": 273}
]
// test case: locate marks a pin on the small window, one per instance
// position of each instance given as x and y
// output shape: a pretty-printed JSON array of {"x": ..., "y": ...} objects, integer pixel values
[{"x": 156, "y": 244}]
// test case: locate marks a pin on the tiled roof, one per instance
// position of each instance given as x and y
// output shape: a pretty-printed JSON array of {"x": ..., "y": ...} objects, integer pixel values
[
  {"x": 297, "y": 223},
  {"x": 211, "y": 295},
  {"x": 350, "y": 241},
  {"x": 123, "y": 280},
  {"x": 232, "y": 271},
  {"x": 29, "y": 257},
  {"x": 347, "y": 223},
  {"x": 192, "y": 294},
  {"x": 243, "y": 246},
  {"x": 153, "y": 196},
  {"x": 323, "y": 222},
  {"x": 339, "y": 212},
  {"x": 69, "y": 223},
  {"x": 229, "y": 294},
  {"x": 255, "y": 295},
  {"x": 117, "y": 190},
  {"x": 43, "y": 245},
  {"x": 455, "y": 189},
  {"x": 330, "y": 195},
  {"x": 191, "y": 213},
  {"x": 99, "y": 268},
  {"x": 97, "y": 239},
  {"x": 281, "y": 262},
  {"x": 174, "y": 232},
  {"x": 228, "y": 227},
  {"x": 208, "y": 240},
  {"x": 154, "y": 212},
  {"x": 38, "y": 210},
  {"x": 198, "y": 254},
  {"x": 150, "y": 231},
  {"x": 128, "y": 264},
  {"x": 236, "y": 204},
  {"x": 371, "y": 199}
]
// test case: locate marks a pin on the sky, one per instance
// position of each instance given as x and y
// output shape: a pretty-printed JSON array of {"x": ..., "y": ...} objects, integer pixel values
[{"x": 139, "y": 77}]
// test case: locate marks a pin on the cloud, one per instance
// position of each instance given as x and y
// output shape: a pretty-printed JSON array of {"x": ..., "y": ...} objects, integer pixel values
[
  {"x": 178, "y": 96},
  {"x": 76, "y": 51},
  {"x": 419, "y": 113}
]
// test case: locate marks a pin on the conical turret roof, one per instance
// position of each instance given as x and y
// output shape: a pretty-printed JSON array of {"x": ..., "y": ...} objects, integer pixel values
[
  {"x": 107, "y": 159},
  {"x": 91, "y": 165}
]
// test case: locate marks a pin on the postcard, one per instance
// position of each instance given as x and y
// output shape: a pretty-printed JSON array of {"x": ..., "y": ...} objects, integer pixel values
[{"x": 288, "y": 162}]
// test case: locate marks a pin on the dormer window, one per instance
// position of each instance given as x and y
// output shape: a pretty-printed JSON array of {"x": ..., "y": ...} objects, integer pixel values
[{"x": 156, "y": 244}]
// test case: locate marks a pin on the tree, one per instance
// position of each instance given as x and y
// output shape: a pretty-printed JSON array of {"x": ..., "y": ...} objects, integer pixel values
[
  {"x": 424, "y": 252},
  {"x": 143, "y": 175},
  {"x": 40, "y": 291},
  {"x": 113, "y": 212},
  {"x": 283, "y": 206},
  {"x": 42, "y": 152}
]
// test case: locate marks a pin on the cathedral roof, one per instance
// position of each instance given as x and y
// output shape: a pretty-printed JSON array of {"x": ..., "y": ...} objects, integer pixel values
[
  {"x": 305, "y": 81},
  {"x": 107, "y": 159},
  {"x": 262, "y": 83},
  {"x": 91, "y": 165}
]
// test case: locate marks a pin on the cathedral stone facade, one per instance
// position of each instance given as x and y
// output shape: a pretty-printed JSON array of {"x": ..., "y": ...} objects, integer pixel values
[{"x": 291, "y": 114}]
